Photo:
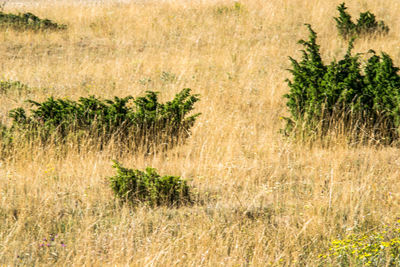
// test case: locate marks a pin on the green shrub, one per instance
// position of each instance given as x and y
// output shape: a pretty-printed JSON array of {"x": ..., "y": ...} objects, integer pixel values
[
  {"x": 168, "y": 77},
  {"x": 135, "y": 186},
  {"x": 366, "y": 24},
  {"x": 28, "y": 21},
  {"x": 5, "y": 136},
  {"x": 364, "y": 99},
  {"x": 8, "y": 86},
  {"x": 146, "y": 122},
  {"x": 373, "y": 249},
  {"x": 236, "y": 9}
]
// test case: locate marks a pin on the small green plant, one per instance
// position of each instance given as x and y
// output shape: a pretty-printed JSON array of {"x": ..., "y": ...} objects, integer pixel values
[
  {"x": 145, "y": 81},
  {"x": 237, "y": 8},
  {"x": 364, "y": 99},
  {"x": 168, "y": 77},
  {"x": 380, "y": 248},
  {"x": 366, "y": 24},
  {"x": 28, "y": 21},
  {"x": 135, "y": 186},
  {"x": 5, "y": 137},
  {"x": 8, "y": 86},
  {"x": 147, "y": 122}
]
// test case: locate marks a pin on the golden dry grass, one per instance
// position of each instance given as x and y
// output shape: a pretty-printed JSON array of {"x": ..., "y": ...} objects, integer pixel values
[{"x": 267, "y": 201}]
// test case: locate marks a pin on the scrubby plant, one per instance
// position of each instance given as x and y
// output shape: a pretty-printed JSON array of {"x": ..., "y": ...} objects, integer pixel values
[
  {"x": 168, "y": 77},
  {"x": 5, "y": 136},
  {"x": 378, "y": 248},
  {"x": 28, "y": 21},
  {"x": 146, "y": 121},
  {"x": 366, "y": 24},
  {"x": 364, "y": 98},
  {"x": 236, "y": 8},
  {"x": 9, "y": 86},
  {"x": 136, "y": 186}
]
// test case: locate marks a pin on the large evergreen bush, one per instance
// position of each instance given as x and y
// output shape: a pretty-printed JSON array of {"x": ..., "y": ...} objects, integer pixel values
[
  {"x": 363, "y": 98},
  {"x": 146, "y": 121}
]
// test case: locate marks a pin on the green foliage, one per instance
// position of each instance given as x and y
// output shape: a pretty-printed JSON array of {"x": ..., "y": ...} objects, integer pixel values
[
  {"x": 135, "y": 186},
  {"x": 364, "y": 99},
  {"x": 373, "y": 249},
  {"x": 168, "y": 77},
  {"x": 237, "y": 8},
  {"x": 5, "y": 136},
  {"x": 8, "y": 86},
  {"x": 344, "y": 24},
  {"x": 148, "y": 122},
  {"x": 366, "y": 24},
  {"x": 28, "y": 21}
]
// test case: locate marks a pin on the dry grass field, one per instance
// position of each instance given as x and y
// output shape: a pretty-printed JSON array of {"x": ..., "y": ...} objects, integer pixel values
[{"x": 267, "y": 201}]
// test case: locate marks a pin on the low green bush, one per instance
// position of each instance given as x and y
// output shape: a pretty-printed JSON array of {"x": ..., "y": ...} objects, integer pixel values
[
  {"x": 237, "y": 8},
  {"x": 378, "y": 248},
  {"x": 168, "y": 77},
  {"x": 5, "y": 137},
  {"x": 28, "y": 21},
  {"x": 146, "y": 121},
  {"x": 366, "y": 24},
  {"x": 9, "y": 86},
  {"x": 135, "y": 186},
  {"x": 363, "y": 98}
]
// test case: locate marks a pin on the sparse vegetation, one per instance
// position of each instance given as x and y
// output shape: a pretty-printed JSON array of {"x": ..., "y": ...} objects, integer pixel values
[
  {"x": 366, "y": 24},
  {"x": 13, "y": 87},
  {"x": 28, "y": 21},
  {"x": 236, "y": 8},
  {"x": 364, "y": 99}
]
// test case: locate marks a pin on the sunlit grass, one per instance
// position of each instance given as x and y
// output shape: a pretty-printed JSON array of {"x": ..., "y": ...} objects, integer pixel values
[{"x": 265, "y": 200}]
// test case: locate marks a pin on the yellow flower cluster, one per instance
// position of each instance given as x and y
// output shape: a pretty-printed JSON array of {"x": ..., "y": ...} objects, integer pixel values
[{"x": 372, "y": 249}]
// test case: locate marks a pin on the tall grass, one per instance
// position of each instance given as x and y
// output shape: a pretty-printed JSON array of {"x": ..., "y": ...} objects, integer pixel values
[{"x": 267, "y": 200}]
